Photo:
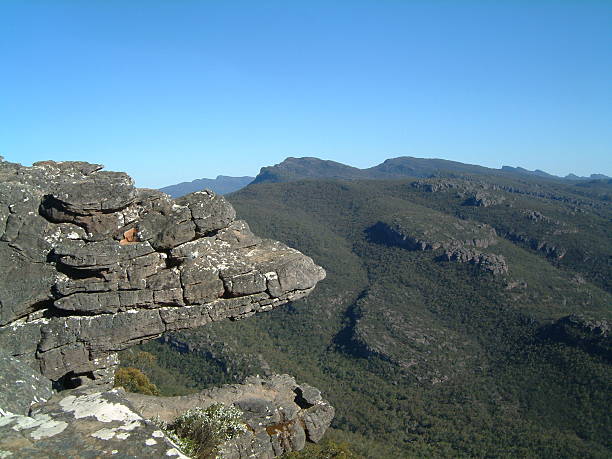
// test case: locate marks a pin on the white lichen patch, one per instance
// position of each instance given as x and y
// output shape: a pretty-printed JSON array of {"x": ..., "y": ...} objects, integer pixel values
[
  {"x": 48, "y": 428},
  {"x": 24, "y": 423},
  {"x": 131, "y": 425},
  {"x": 104, "y": 434},
  {"x": 157, "y": 434},
  {"x": 24, "y": 321},
  {"x": 150, "y": 442},
  {"x": 271, "y": 275},
  {"x": 6, "y": 418},
  {"x": 43, "y": 425},
  {"x": 108, "y": 433},
  {"x": 95, "y": 405},
  {"x": 73, "y": 235}
]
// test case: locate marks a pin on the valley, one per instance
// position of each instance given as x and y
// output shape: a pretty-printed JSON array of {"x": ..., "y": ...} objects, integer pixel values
[{"x": 462, "y": 315}]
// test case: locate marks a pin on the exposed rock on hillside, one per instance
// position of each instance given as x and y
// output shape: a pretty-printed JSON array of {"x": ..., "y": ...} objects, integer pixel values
[
  {"x": 481, "y": 199},
  {"x": 442, "y": 232},
  {"x": 280, "y": 414},
  {"x": 547, "y": 248},
  {"x": 426, "y": 229},
  {"x": 489, "y": 262},
  {"x": 92, "y": 265},
  {"x": 590, "y": 334}
]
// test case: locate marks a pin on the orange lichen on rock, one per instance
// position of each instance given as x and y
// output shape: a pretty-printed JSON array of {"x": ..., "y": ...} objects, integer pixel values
[{"x": 129, "y": 237}]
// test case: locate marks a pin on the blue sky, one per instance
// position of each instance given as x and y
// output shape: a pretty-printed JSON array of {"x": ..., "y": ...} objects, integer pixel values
[{"x": 176, "y": 90}]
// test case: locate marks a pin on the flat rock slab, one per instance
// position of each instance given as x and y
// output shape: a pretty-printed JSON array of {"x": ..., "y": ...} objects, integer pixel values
[
  {"x": 83, "y": 425},
  {"x": 281, "y": 416},
  {"x": 21, "y": 386}
]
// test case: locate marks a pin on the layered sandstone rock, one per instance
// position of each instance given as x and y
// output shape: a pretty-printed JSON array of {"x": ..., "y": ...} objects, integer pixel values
[{"x": 91, "y": 265}]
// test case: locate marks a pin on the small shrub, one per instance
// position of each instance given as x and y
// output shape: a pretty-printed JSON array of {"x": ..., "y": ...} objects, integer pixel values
[
  {"x": 327, "y": 449},
  {"x": 134, "y": 380},
  {"x": 199, "y": 432}
]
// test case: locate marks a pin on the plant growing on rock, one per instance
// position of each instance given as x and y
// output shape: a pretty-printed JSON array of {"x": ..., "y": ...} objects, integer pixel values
[
  {"x": 199, "y": 432},
  {"x": 134, "y": 380}
]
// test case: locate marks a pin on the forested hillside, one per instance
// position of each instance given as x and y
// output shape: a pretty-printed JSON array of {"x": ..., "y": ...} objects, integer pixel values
[
  {"x": 292, "y": 169},
  {"x": 461, "y": 316}
]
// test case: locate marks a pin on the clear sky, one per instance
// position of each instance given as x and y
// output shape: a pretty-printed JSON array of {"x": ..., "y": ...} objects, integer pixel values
[{"x": 176, "y": 90}]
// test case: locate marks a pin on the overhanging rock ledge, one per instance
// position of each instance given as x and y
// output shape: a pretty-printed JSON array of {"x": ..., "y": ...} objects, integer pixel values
[{"x": 91, "y": 265}]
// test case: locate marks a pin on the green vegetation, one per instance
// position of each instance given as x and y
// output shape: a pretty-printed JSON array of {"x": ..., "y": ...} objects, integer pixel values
[
  {"x": 422, "y": 357},
  {"x": 134, "y": 380},
  {"x": 200, "y": 432},
  {"x": 327, "y": 449}
]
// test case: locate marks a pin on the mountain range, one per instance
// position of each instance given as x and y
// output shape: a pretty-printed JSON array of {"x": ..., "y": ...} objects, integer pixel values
[
  {"x": 466, "y": 310},
  {"x": 220, "y": 185},
  {"x": 405, "y": 166},
  {"x": 314, "y": 168}
]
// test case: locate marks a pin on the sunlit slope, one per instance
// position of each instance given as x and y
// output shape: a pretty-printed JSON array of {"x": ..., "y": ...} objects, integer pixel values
[{"x": 425, "y": 354}]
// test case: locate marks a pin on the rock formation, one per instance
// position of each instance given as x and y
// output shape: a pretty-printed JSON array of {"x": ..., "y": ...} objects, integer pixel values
[
  {"x": 488, "y": 262},
  {"x": 446, "y": 234},
  {"x": 280, "y": 414},
  {"x": 592, "y": 335},
  {"x": 92, "y": 265},
  {"x": 481, "y": 199},
  {"x": 547, "y": 248}
]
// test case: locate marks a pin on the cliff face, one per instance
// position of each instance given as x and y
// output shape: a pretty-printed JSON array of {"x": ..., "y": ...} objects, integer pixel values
[{"x": 91, "y": 265}]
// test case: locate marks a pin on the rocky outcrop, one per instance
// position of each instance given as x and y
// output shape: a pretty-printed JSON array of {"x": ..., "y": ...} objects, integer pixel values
[
  {"x": 536, "y": 217},
  {"x": 461, "y": 240},
  {"x": 549, "y": 249},
  {"x": 592, "y": 335},
  {"x": 470, "y": 187},
  {"x": 281, "y": 415},
  {"x": 440, "y": 236},
  {"x": 488, "y": 262},
  {"x": 92, "y": 265},
  {"x": 481, "y": 199},
  {"x": 440, "y": 185}
]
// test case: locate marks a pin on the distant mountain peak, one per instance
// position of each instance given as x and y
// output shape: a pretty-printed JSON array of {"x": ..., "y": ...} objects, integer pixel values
[
  {"x": 294, "y": 168},
  {"x": 223, "y": 184},
  {"x": 591, "y": 177}
]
